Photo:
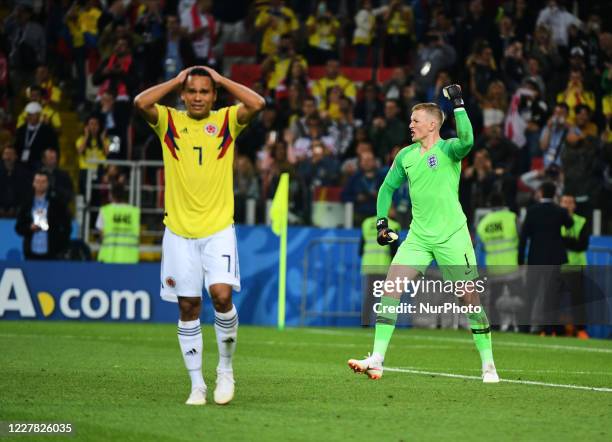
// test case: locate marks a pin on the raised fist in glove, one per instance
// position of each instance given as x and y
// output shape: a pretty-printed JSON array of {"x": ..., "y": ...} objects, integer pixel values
[
  {"x": 453, "y": 93},
  {"x": 385, "y": 235}
]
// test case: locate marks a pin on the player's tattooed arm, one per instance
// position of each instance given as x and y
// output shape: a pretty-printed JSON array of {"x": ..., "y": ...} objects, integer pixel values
[
  {"x": 251, "y": 101},
  {"x": 146, "y": 100}
]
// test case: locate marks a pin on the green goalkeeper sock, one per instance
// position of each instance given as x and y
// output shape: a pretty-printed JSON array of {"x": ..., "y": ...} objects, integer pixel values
[
  {"x": 481, "y": 332},
  {"x": 385, "y": 324}
]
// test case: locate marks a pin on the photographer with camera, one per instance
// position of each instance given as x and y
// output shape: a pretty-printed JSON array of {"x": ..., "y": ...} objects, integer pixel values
[{"x": 44, "y": 222}]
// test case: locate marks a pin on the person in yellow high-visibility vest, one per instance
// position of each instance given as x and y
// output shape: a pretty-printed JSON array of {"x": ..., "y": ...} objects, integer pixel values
[
  {"x": 498, "y": 234},
  {"x": 119, "y": 223},
  {"x": 375, "y": 261},
  {"x": 576, "y": 241}
]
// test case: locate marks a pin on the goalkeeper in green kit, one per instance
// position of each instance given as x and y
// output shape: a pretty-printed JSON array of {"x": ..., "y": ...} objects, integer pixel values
[{"x": 432, "y": 167}]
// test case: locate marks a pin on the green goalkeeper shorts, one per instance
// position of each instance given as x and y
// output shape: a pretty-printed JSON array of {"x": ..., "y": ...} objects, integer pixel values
[{"x": 455, "y": 256}]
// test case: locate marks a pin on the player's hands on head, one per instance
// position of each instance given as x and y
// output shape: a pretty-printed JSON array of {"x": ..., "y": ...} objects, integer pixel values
[
  {"x": 453, "y": 93},
  {"x": 385, "y": 234},
  {"x": 181, "y": 76},
  {"x": 216, "y": 76}
]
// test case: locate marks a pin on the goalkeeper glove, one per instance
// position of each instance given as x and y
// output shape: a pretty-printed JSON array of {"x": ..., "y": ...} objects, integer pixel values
[
  {"x": 385, "y": 234},
  {"x": 453, "y": 93}
]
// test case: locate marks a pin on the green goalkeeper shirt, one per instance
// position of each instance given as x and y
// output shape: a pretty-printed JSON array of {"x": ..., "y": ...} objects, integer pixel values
[{"x": 433, "y": 183}]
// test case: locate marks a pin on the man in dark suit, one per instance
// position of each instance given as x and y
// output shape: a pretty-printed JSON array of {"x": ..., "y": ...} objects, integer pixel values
[
  {"x": 542, "y": 227},
  {"x": 33, "y": 137},
  {"x": 44, "y": 222},
  {"x": 60, "y": 184}
]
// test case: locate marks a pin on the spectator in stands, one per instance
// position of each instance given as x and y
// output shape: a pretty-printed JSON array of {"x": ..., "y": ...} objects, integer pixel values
[
  {"x": 555, "y": 17},
  {"x": 524, "y": 20},
  {"x": 34, "y": 136},
  {"x": 503, "y": 38},
  {"x": 582, "y": 163},
  {"x": 363, "y": 35},
  {"x": 323, "y": 29},
  {"x": 60, "y": 184},
  {"x": 370, "y": 106},
  {"x": 26, "y": 45},
  {"x": 203, "y": 30},
  {"x": 432, "y": 56},
  {"x": 246, "y": 186},
  {"x": 513, "y": 65},
  {"x": 294, "y": 72},
  {"x": 177, "y": 49},
  {"x": 150, "y": 25},
  {"x": 263, "y": 128},
  {"x": 409, "y": 99},
  {"x": 476, "y": 26},
  {"x": 299, "y": 128},
  {"x": 388, "y": 131},
  {"x": 494, "y": 104},
  {"x": 320, "y": 169},
  {"x": 350, "y": 166},
  {"x": 51, "y": 92},
  {"x": 281, "y": 65},
  {"x": 14, "y": 182},
  {"x": 290, "y": 105},
  {"x": 81, "y": 19},
  {"x": 362, "y": 188},
  {"x": 552, "y": 140},
  {"x": 275, "y": 20},
  {"x": 343, "y": 129},
  {"x": 399, "y": 33},
  {"x": 503, "y": 154},
  {"x": 91, "y": 146},
  {"x": 302, "y": 146},
  {"x": 534, "y": 112},
  {"x": 477, "y": 183},
  {"x": 117, "y": 74},
  {"x": 545, "y": 51},
  {"x": 483, "y": 70},
  {"x": 332, "y": 78},
  {"x": 114, "y": 119},
  {"x": 534, "y": 74},
  {"x": 575, "y": 94},
  {"x": 118, "y": 28},
  {"x": 392, "y": 89},
  {"x": 44, "y": 222},
  {"x": 48, "y": 115}
]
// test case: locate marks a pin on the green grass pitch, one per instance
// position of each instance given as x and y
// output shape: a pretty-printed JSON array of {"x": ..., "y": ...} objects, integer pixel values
[{"x": 126, "y": 382}]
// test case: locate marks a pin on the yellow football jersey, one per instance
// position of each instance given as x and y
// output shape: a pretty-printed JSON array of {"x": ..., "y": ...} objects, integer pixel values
[{"x": 198, "y": 164}]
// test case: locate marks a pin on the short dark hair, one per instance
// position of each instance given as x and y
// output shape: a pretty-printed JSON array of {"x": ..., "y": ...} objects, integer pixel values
[
  {"x": 199, "y": 72},
  {"x": 548, "y": 189},
  {"x": 580, "y": 107},
  {"x": 42, "y": 172},
  {"x": 496, "y": 199},
  {"x": 118, "y": 192}
]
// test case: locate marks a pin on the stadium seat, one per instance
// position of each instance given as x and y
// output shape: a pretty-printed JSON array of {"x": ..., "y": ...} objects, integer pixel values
[
  {"x": 316, "y": 72},
  {"x": 383, "y": 74},
  {"x": 233, "y": 49},
  {"x": 246, "y": 74},
  {"x": 327, "y": 207}
]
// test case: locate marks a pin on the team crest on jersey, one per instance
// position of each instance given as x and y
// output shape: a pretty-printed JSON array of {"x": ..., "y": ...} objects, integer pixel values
[
  {"x": 432, "y": 161},
  {"x": 211, "y": 129},
  {"x": 170, "y": 282}
]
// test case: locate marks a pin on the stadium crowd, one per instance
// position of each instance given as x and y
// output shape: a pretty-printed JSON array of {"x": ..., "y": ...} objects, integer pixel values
[{"x": 340, "y": 78}]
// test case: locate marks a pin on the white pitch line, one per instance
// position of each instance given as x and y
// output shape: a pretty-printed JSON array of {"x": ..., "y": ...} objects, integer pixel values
[
  {"x": 498, "y": 343},
  {"x": 511, "y": 381},
  {"x": 526, "y": 370}
]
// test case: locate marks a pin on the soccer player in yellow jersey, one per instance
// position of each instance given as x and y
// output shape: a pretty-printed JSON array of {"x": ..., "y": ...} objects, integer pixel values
[{"x": 199, "y": 244}]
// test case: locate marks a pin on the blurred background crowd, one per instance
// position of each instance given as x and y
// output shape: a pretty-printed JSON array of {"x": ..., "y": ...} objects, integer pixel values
[{"x": 339, "y": 77}]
